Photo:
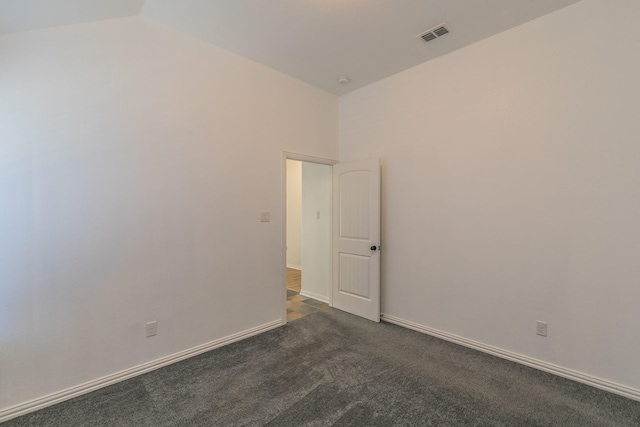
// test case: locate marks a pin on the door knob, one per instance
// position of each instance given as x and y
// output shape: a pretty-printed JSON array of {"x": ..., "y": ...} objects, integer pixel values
[{"x": 374, "y": 247}]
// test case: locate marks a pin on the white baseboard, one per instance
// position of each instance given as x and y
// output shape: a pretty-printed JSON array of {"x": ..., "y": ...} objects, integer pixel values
[
  {"x": 622, "y": 390},
  {"x": 314, "y": 296},
  {"x": 295, "y": 267},
  {"x": 69, "y": 393}
]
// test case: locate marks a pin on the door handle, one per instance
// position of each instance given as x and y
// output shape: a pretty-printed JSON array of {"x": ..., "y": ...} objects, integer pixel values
[{"x": 373, "y": 248}]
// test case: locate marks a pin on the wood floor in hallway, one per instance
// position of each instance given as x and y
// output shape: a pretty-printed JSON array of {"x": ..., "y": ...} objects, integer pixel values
[
  {"x": 299, "y": 306},
  {"x": 294, "y": 279}
]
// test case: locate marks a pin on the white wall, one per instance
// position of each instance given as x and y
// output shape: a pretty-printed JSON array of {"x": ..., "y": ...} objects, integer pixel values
[
  {"x": 511, "y": 179},
  {"x": 294, "y": 214},
  {"x": 134, "y": 164},
  {"x": 316, "y": 232}
]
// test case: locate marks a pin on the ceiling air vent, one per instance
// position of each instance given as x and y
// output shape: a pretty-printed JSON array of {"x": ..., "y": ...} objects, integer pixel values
[
  {"x": 428, "y": 37},
  {"x": 440, "y": 31},
  {"x": 434, "y": 33}
]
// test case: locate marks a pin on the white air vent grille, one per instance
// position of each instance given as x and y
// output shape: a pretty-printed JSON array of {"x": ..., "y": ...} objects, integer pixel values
[
  {"x": 428, "y": 37},
  {"x": 440, "y": 31},
  {"x": 434, "y": 33}
]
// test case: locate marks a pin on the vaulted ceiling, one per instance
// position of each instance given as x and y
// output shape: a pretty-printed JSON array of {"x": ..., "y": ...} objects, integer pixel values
[{"x": 315, "y": 41}]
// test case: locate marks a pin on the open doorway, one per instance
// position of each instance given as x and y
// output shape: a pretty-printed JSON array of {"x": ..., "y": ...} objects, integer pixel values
[{"x": 308, "y": 237}]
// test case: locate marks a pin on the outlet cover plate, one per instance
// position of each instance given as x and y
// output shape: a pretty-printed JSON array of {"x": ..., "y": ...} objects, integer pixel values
[
  {"x": 152, "y": 329},
  {"x": 541, "y": 328}
]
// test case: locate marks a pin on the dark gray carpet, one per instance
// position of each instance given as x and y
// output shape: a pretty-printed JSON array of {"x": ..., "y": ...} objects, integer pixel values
[{"x": 334, "y": 369}]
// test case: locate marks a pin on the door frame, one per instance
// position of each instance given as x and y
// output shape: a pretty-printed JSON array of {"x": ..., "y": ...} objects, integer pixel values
[{"x": 287, "y": 155}]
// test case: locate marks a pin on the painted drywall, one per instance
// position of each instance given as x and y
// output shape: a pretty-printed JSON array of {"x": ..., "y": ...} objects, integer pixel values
[
  {"x": 510, "y": 188},
  {"x": 316, "y": 230},
  {"x": 134, "y": 165},
  {"x": 294, "y": 214}
]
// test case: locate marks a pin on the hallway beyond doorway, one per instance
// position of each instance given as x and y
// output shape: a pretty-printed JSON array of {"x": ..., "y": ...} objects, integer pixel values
[{"x": 299, "y": 306}]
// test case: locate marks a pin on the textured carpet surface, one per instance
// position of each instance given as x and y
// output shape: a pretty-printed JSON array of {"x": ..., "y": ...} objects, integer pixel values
[{"x": 334, "y": 369}]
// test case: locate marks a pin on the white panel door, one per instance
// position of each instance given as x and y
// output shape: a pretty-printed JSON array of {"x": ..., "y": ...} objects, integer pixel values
[{"x": 356, "y": 238}]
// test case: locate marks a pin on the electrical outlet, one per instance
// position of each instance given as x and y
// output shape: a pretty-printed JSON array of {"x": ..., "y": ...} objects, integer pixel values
[
  {"x": 541, "y": 328},
  {"x": 265, "y": 217},
  {"x": 152, "y": 329}
]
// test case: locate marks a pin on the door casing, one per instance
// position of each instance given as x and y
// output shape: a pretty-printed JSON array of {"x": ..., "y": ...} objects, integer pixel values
[{"x": 303, "y": 158}]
